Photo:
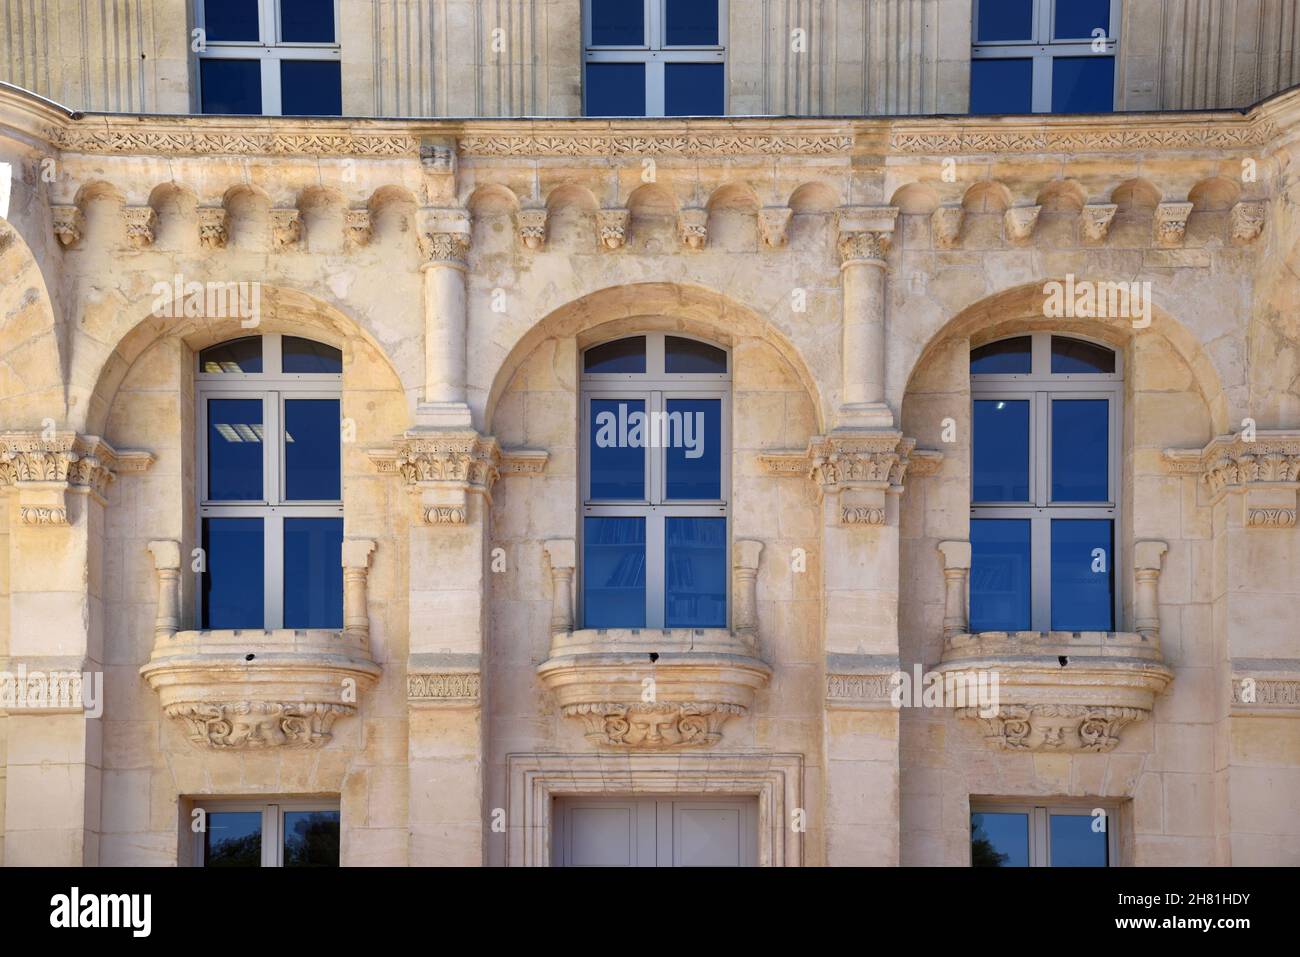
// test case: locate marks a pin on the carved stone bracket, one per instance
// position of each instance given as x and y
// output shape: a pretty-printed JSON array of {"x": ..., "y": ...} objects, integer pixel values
[
  {"x": 140, "y": 222},
  {"x": 44, "y": 467},
  {"x": 693, "y": 228},
  {"x": 212, "y": 226},
  {"x": 286, "y": 227},
  {"x": 532, "y": 227},
  {"x": 860, "y": 468},
  {"x": 1247, "y": 221},
  {"x": 1019, "y": 222},
  {"x": 945, "y": 226},
  {"x": 444, "y": 468},
  {"x": 1265, "y": 472},
  {"x": 1096, "y": 221},
  {"x": 68, "y": 224},
  {"x": 612, "y": 226},
  {"x": 1171, "y": 223},
  {"x": 358, "y": 225},
  {"x": 774, "y": 224}
]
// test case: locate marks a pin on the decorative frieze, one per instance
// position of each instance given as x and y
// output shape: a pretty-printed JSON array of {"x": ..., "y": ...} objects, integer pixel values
[
  {"x": 612, "y": 225},
  {"x": 1263, "y": 468},
  {"x": 687, "y": 724},
  {"x": 257, "y": 725},
  {"x": 43, "y": 467},
  {"x": 527, "y": 462},
  {"x": 1054, "y": 727},
  {"x": 443, "y": 687},
  {"x": 1247, "y": 221},
  {"x": 1171, "y": 223},
  {"x": 1113, "y": 137},
  {"x": 1096, "y": 220},
  {"x": 1268, "y": 687}
]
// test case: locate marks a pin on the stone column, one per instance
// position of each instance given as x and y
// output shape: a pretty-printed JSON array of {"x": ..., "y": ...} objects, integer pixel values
[
  {"x": 865, "y": 234},
  {"x": 1147, "y": 558},
  {"x": 956, "y": 572},
  {"x": 356, "y": 569},
  {"x": 446, "y": 249},
  {"x": 167, "y": 562},
  {"x": 744, "y": 587},
  {"x": 562, "y": 554}
]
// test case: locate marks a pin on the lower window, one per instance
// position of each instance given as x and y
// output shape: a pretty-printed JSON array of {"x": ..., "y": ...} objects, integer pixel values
[
  {"x": 255, "y": 834},
  {"x": 1003, "y": 835}
]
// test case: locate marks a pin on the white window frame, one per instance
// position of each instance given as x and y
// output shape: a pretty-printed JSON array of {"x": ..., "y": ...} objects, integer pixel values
[
  {"x": 273, "y": 388},
  {"x": 655, "y": 53},
  {"x": 272, "y": 824},
  {"x": 269, "y": 50},
  {"x": 1040, "y": 832},
  {"x": 655, "y": 387},
  {"x": 1040, "y": 387},
  {"x": 1042, "y": 48}
]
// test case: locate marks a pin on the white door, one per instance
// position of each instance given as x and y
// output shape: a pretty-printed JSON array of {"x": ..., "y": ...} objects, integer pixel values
[{"x": 655, "y": 832}]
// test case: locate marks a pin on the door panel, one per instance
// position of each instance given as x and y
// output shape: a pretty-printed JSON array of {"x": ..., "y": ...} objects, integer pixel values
[{"x": 655, "y": 832}]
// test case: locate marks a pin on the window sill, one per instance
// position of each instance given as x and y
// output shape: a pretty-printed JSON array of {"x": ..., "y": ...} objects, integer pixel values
[{"x": 653, "y": 688}]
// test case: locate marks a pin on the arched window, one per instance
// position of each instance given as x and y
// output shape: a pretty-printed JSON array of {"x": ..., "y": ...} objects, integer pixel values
[
  {"x": 1044, "y": 484},
  {"x": 655, "y": 483},
  {"x": 270, "y": 484}
]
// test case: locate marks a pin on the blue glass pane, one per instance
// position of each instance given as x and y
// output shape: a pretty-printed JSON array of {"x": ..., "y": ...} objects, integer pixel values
[
  {"x": 232, "y": 839},
  {"x": 235, "y": 450},
  {"x": 1001, "y": 86},
  {"x": 1083, "y": 84},
  {"x": 312, "y": 450},
  {"x": 304, "y": 355},
  {"x": 238, "y": 355},
  {"x": 692, "y": 436},
  {"x": 307, "y": 21},
  {"x": 313, "y": 573},
  {"x": 1001, "y": 459},
  {"x": 999, "y": 575},
  {"x": 617, "y": 23},
  {"x": 1004, "y": 357},
  {"x": 310, "y": 88},
  {"x": 1082, "y": 574},
  {"x": 616, "y": 89},
  {"x": 613, "y": 572},
  {"x": 1078, "y": 356},
  {"x": 695, "y": 573},
  {"x": 621, "y": 355},
  {"x": 692, "y": 23},
  {"x": 693, "y": 89},
  {"x": 1005, "y": 20},
  {"x": 232, "y": 584},
  {"x": 999, "y": 840},
  {"x": 1080, "y": 450},
  {"x": 311, "y": 838},
  {"x": 1076, "y": 19},
  {"x": 692, "y": 356},
  {"x": 226, "y": 20},
  {"x": 231, "y": 86},
  {"x": 1075, "y": 844},
  {"x": 617, "y": 450}
]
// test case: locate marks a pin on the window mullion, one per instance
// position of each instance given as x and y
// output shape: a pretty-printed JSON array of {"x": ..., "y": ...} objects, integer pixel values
[
  {"x": 654, "y": 24},
  {"x": 654, "y": 569},
  {"x": 268, "y": 22}
]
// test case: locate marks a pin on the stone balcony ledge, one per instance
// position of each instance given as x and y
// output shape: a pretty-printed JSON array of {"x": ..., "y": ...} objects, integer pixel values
[{"x": 653, "y": 688}]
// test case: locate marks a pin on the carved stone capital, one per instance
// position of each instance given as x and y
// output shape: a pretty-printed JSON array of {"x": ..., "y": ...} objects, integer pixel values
[
  {"x": 864, "y": 247},
  {"x": 42, "y": 467},
  {"x": 1171, "y": 223},
  {"x": 945, "y": 226},
  {"x": 140, "y": 222},
  {"x": 612, "y": 225},
  {"x": 774, "y": 224},
  {"x": 1247, "y": 221},
  {"x": 693, "y": 228},
  {"x": 532, "y": 227},
  {"x": 1264, "y": 469},
  {"x": 865, "y": 233},
  {"x": 446, "y": 249},
  {"x": 444, "y": 467},
  {"x": 1019, "y": 222},
  {"x": 1096, "y": 221}
]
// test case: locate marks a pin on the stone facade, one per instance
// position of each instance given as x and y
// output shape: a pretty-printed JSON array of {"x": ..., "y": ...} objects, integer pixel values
[{"x": 461, "y": 266}]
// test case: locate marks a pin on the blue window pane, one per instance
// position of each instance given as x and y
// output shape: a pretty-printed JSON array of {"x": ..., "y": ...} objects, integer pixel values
[
  {"x": 692, "y": 356},
  {"x": 999, "y": 575},
  {"x": 693, "y": 89},
  {"x": 1001, "y": 86},
  {"x": 304, "y": 355},
  {"x": 313, "y": 573},
  {"x": 1080, "y": 450},
  {"x": 311, "y": 838},
  {"x": 232, "y": 839},
  {"x": 227, "y": 20},
  {"x": 621, "y": 355},
  {"x": 695, "y": 573},
  {"x": 1005, "y": 20},
  {"x": 231, "y": 86},
  {"x": 617, "y": 450},
  {"x": 1001, "y": 459},
  {"x": 1082, "y": 574},
  {"x": 235, "y": 450},
  {"x": 1083, "y": 84},
  {"x": 1077, "y": 356},
  {"x": 999, "y": 840},
  {"x": 232, "y": 584},
  {"x": 1004, "y": 357},
  {"x": 613, "y": 572},
  {"x": 692, "y": 23},
  {"x": 307, "y": 21},
  {"x": 617, "y": 23},
  {"x": 692, "y": 437},
  {"x": 310, "y": 88},
  {"x": 239, "y": 355},
  {"x": 1076, "y": 19},
  {"x": 312, "y": 450},
  {"x": 616, "y": 89},
  {"x": 1075, "y": 844}
]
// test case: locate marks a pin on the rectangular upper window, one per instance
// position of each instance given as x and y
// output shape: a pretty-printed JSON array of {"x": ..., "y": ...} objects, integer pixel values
[
  {"x": 233, "y": 833},
  {"x": 654, "y": 57},
  {"x": 1043, "y": 56},
  {"x": 1009, "y": 835},
  {"x": 268, "y": 57}
]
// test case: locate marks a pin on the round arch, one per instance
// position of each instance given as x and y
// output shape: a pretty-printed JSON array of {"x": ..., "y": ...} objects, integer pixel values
[
  {"x": 651, "y": 306},
  {"x": 31, "y": 356}
]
